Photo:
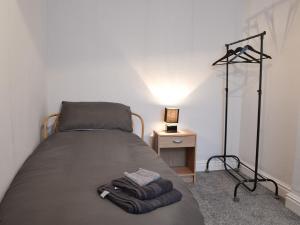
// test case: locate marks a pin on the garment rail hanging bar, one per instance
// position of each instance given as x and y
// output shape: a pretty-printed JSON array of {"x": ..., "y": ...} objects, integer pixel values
[
  {"x": 246, "y": 39},
  {"x": 235, "y": 172}
]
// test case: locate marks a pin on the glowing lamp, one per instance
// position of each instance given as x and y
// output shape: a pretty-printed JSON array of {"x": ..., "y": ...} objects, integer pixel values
[{"x": 171, "y": 119}]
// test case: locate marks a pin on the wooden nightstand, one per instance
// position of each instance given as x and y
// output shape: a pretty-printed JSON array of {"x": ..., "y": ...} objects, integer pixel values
[{"x": 180, "y": 149}]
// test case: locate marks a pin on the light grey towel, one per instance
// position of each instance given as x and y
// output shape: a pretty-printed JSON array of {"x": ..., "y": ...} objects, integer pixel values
[{"x": 142, "y": 177}]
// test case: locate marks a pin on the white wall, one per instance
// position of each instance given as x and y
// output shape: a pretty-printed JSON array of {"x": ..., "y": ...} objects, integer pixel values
[
  {"x": 147, "y": 54},
  {"x": 22, "y": 84},
  {"x": 281, "y": 20},
  {"x": 296, "y": 171},
  {"x": 293, "y": 198}
]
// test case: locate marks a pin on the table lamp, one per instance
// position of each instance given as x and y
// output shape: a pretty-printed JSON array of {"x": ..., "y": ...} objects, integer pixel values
[{"x": 171, "y": 119}]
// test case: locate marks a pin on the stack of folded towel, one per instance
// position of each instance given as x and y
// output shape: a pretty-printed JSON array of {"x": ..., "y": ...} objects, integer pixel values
[{"x": 140, "y": 192}]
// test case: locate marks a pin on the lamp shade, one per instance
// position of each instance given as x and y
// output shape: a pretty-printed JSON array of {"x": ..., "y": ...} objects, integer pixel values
[{"x": 171, "y": 115}]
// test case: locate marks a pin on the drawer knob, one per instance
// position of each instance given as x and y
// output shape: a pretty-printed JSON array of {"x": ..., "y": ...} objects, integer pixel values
[{"x": 177, "y": 141}]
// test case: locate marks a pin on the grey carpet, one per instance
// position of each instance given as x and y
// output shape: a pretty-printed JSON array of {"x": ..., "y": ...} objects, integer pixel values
[{"x": 214, "y": 192}]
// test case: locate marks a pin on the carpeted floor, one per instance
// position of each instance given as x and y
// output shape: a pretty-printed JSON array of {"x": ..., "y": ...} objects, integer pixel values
[{"x": 214, "y": 192}]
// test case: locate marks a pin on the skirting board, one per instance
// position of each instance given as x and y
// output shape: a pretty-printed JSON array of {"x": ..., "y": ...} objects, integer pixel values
[
  {"x": 283, "y": 188},
  {"x": 292, "y": 202}
]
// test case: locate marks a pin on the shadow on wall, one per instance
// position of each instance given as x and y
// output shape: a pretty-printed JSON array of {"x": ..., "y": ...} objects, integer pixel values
[
  {"x": 269, "y": 14},
  {"x": 87, "y": 41},
  {"x": 83, "y": 52},
  {"x": 36, "y": 28}
]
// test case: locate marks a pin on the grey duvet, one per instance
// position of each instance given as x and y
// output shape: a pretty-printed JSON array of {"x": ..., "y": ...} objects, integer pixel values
[{"x": 57, "y": 185}]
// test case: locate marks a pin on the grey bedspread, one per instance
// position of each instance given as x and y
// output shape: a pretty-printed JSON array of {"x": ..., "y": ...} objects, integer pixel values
[{"x": 58, "y": 183}]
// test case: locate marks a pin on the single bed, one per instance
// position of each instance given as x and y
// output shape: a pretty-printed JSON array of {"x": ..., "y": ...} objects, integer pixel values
[{"x": 57, "y": 184}]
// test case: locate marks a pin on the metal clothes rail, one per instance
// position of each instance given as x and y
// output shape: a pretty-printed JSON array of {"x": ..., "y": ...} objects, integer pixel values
[{"x": 235, "y": 172}]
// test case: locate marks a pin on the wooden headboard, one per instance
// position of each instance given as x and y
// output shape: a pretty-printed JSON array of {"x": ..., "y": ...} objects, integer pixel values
[{"x": 55, "y": 116}]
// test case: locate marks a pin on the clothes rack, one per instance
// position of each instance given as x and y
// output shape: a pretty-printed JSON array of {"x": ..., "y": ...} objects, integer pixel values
[{"x": 235, "y": 172}]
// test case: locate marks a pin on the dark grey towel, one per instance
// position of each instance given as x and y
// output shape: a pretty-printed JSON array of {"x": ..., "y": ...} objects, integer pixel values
[
  {"x": 150, "y": 191},
  {"x": 136, "y": 206}
]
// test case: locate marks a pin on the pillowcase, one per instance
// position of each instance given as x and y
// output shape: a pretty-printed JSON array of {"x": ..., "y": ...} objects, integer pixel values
[{"x": 94, "y": 115}]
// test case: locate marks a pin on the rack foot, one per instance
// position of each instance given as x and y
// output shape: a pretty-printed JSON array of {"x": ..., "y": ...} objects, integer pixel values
[
  {"x": 277, "y": 197},
  {"x": 236, "y": 199}
]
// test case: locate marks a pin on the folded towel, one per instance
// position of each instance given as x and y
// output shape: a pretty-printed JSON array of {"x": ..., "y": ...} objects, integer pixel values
[
  {"x": 136, "y": 206},
  {"x": 142, "y": 177},
  {"x": 150, "y": 191}
]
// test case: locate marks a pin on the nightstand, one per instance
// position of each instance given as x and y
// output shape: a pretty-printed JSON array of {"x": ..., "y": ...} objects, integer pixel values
[{"x": 178, "y": 150}]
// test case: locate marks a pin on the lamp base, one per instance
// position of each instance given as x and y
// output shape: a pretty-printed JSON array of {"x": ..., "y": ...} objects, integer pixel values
[{"x": 171, "y": 128}]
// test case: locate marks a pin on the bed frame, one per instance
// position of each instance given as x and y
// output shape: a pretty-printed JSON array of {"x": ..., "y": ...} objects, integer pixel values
[{"x": 55, "y": 116}]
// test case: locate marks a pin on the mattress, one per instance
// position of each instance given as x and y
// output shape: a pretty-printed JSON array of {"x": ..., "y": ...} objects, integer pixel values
[{"x": 57, "y": 184}]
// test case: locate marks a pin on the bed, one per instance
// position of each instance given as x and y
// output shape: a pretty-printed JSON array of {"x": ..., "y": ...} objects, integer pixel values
[{"x": 57, "y": 184}]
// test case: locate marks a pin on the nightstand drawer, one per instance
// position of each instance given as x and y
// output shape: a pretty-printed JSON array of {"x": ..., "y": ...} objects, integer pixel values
[{"x": 177, "y": 142}]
